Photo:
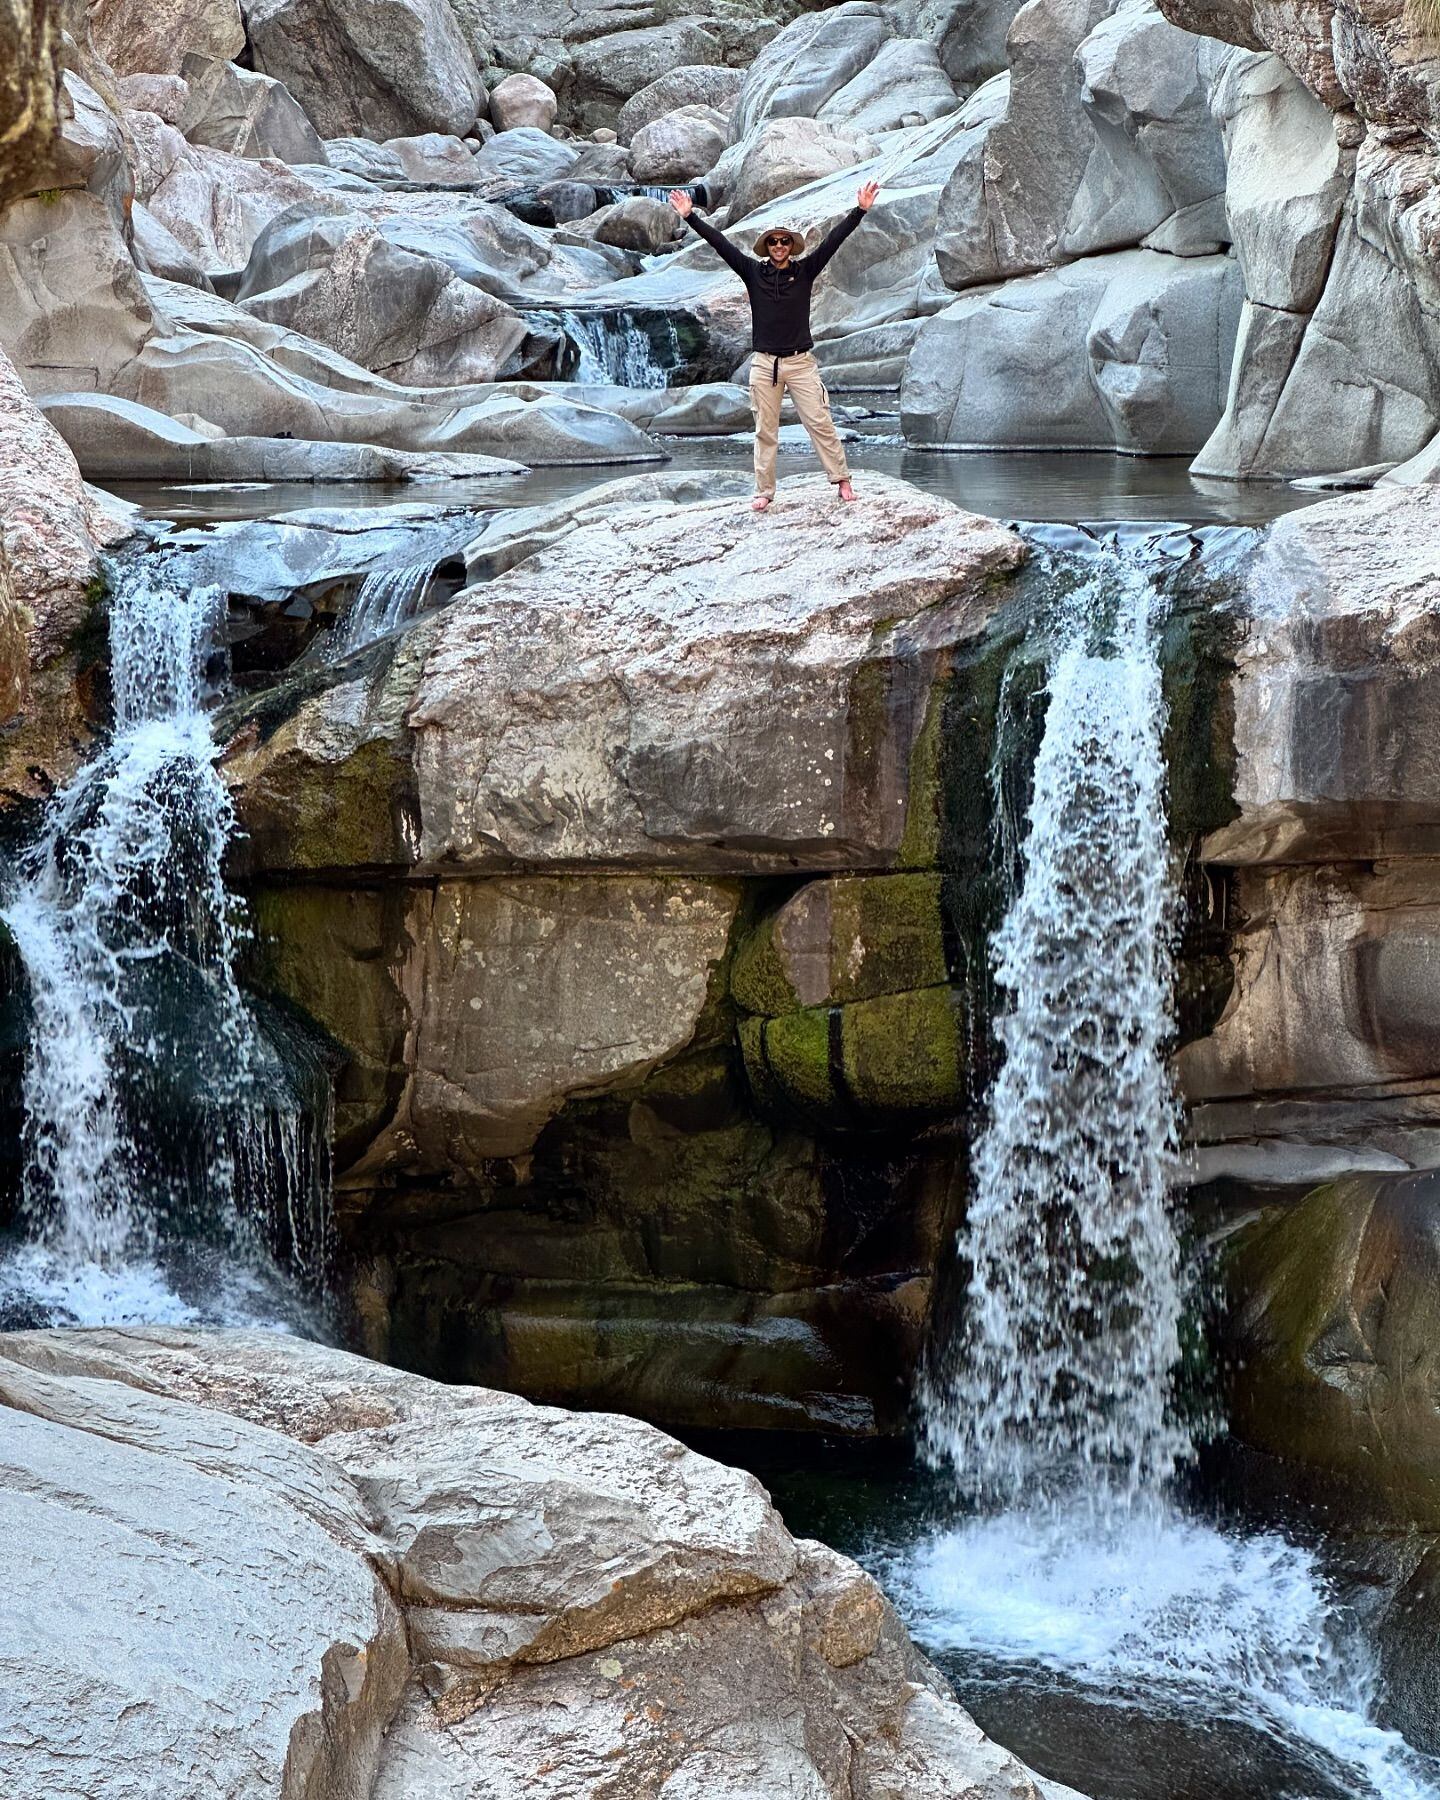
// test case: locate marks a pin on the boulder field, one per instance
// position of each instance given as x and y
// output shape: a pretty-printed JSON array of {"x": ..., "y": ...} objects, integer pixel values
[
  {"x": 1198, "y": 231},
  {"x": 343, "y": 1580}
]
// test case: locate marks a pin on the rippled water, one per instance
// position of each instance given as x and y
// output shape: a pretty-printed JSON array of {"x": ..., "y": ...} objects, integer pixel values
[
  {"x": 1017, "y": 486},
  {"x": 128, "y": 937}
]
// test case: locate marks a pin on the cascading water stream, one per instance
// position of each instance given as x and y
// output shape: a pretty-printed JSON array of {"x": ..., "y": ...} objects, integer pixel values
[
  {"x": 612, "y": 348},
  {"x": 1050, "y": 1404},
  {"x": 1074, "y": 1301},
  {"x": 385, "y": 600},
  {"x": 127, "y": 934}
]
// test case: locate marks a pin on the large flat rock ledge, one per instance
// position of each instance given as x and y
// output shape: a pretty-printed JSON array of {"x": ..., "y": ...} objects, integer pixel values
[{"x": 273, "y": 1568}]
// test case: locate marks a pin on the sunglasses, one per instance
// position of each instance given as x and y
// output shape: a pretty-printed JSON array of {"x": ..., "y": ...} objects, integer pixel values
[{"x": 779, "y": 238}]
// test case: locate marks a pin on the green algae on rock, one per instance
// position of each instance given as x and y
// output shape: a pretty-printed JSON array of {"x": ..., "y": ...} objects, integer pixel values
[{"x": 1335, "y": 1325}]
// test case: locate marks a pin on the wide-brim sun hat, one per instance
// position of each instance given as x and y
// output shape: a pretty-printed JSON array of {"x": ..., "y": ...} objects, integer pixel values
[{"x": 797, "y": 238}]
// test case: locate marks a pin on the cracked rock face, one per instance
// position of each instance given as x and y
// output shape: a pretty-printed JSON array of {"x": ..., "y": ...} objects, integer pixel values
[
  {"x": 52, "y": 529},
  {"x": 353, "y": 1584},
  {"x": 1323, "y": 1060},
  {"x": 647, "y": 685}
]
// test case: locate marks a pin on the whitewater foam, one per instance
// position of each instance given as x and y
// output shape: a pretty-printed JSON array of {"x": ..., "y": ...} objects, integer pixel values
[
  {"x": 1049, "y": 1402},
  {"x": 1167, "y": 1612}
]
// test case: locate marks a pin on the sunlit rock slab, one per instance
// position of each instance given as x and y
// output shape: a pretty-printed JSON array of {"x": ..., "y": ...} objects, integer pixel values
[
  {"x": 641, "y": 684},
  {"x": 1336, "y": 686},
  {"x": 271, "y": 1567}
]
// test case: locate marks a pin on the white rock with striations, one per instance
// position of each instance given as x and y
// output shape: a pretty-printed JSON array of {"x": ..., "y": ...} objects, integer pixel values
[
  {"x": 1130, "y": 351},
  {"x": 369, "y": 1584}
]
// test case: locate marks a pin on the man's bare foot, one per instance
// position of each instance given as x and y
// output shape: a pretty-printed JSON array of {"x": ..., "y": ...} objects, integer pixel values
[
  {"x": 846, "y": 491},
  {"x": 761, "y": 502}
]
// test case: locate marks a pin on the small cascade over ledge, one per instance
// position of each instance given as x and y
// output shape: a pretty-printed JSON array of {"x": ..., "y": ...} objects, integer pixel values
[
  {"x": 1072, "y": 1325},
  {"x": 385, "y": 600},
  {"x": 168, "y": 1145},
  {"x": 613, "y": 347}
]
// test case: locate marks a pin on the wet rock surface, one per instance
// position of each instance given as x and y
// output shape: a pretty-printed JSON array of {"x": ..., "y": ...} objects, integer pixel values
[{"x": 647, "y": 705}]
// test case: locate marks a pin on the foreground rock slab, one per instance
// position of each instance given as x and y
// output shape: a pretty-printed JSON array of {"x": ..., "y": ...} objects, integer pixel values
[{"x": 369, "y": 1584}]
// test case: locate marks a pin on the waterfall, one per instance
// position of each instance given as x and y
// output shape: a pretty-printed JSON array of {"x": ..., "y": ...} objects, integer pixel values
[
  {"x": 638, "y": 190},
  {"x": 612, "y": 348},
  {"x": 386, "y": 600},
  {"x": 147, "y": 1085},
  {"x": 1074, "y": 1298},
  {"x": 1069, "y": 1564}
]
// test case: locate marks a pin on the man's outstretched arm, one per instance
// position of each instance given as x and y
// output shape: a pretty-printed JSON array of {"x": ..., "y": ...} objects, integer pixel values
[
  {"x": 717, "y": 240},
  {"x": 837, "y": 234}
]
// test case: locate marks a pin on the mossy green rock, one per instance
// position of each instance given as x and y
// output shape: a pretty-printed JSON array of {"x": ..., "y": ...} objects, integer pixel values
[
  {"x": 336, "y": 954},
  {"x": 853, "y": 938},
  {"x": 1335, "y": 1325},
  {"x": 894, "y": 1057}
]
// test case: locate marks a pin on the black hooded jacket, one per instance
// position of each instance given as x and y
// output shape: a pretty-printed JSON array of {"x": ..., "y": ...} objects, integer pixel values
[{"x": 779, "y": 298}]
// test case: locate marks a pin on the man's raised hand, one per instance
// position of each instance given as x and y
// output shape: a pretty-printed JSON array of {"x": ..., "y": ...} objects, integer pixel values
[
  {"x": 865, "y": 199},
  {"x": 681, "y": 201}
]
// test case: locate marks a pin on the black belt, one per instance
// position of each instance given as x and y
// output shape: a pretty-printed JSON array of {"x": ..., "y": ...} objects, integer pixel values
[{"x": 778, "y": 354}]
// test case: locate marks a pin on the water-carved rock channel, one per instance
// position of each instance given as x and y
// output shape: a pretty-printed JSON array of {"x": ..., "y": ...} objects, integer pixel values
[
  {"x": 659, "y": 1150},
  {"x": 814, "y": 1099}
]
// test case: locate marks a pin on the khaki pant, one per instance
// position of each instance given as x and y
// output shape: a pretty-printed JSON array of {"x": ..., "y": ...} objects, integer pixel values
[{"x": 801, "y": 376}]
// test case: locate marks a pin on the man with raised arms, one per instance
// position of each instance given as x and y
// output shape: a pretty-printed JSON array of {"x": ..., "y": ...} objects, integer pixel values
[{"x": 779, "y": 278}]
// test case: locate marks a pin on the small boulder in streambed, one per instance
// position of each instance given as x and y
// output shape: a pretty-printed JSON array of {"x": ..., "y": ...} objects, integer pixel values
[
  {"x": 634, "y": 223},
  {"x": 524, "y": 157},
  {"x": 522, "y": 100},
  {"x": 680, "y": 145}
]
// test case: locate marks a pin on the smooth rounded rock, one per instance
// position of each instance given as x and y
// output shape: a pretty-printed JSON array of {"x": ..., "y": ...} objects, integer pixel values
[
  {"x": 522, "y": 100},
  {"x": 678, "y": 146}
]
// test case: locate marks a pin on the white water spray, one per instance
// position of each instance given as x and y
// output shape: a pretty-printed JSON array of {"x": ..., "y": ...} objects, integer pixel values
[
  {"x": 614, "y": 349},
  {"x": 1073, "y": 1316},
  {"x": 1051, "y": 1404},
  {"x": 385, "y": 600},
  {"x": 128, "y": 936}
]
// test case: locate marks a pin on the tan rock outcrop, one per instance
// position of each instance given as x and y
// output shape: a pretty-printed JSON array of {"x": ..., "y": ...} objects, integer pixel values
[
  {"x": 371, "y": 1585},
  {"x": 52, "y": 528},
  {"x": 561, "y": 1148},
  {"x": 1323, "y": 1061},
  {"x": 29, "y": 82},
  {"x": 647, "y": 685}
]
